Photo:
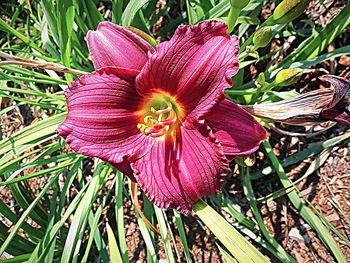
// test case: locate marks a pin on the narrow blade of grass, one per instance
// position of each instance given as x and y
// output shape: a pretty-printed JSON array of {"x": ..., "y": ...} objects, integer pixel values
[
  {"x": 182, "y": 234},
  {"x": 131, "y": 10},
  {"x": 119, "y": 216},
  {"x": 23, "y": 217}
]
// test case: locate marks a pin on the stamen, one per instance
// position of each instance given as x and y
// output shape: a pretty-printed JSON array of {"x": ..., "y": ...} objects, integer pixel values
[
  {"x": 147, "y": 131},
  {"x": 160, "y": 132},
  {"x": 168, "y": 121},
  {"x": 158, "y": 127}
]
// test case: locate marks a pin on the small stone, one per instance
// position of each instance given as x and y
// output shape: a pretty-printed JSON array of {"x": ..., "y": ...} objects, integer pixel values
[{"x": 294, "y": 234}]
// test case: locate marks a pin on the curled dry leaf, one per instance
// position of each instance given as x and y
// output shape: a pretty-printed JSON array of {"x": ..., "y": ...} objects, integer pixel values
[
  {"x": 329, "y": 104},
  {"x": 33, "y": 63}
]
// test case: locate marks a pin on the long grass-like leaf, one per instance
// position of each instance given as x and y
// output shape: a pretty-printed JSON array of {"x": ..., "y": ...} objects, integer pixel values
[
  {"x": 119, "y": 216},
  {"x": 248, "y": 189},
  {"x": 164, "y": 233},
  {"x": 65, "y": 17},
  {"x": 309, "y": 152},
  {"x": 304, "y": 211},
  {"x": 70, "y": 251},
  {"x": 131, "y": 10},
  {"x": 30, "y": 136},
  {"x": 113, "y": 247},
  {"x": 237, "y": 245},
  {"x": 45, "y": 243},
  {"x": 182, "y": 234},
  {"x": 25, "y": 214}
]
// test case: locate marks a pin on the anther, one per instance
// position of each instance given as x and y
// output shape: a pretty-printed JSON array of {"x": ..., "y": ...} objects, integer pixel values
[
  {"x": 147, "y": 119},
  {"x": 141, "y": 127}
]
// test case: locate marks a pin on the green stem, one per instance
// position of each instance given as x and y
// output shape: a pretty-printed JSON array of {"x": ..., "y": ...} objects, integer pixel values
[
  {"x": 249, "y": 192},
  {"x": 314, "y": 222},
  {"x": 236, "y": 92}
]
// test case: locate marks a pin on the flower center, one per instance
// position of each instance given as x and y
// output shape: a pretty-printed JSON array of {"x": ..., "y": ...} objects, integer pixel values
[{"x": 160, "y": 115}]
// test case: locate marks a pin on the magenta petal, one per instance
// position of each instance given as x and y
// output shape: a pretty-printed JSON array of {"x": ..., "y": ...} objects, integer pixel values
[
  {"x": 101, "y": 120},
  {"x": 177, "y": 174},
  {"x": 238, "y": 132},
  {"x": 125, "y": 168},
  {"x": 196, "y": 65},
  {"x": 113, "y": 45}
]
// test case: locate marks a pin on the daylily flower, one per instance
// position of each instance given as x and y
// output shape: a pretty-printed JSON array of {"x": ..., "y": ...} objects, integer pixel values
[{"x": 160, "y": 115}]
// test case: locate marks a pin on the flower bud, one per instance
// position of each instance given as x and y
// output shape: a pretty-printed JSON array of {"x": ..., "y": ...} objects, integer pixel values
[
  {"x": 288, "y": 10},
  {"x": 262, "y": 37},
  {"x": 239, "y": 4},
  {"x": 246, "y": 160},
  {"x": 235, "y": 10},
  {"x": 287, "y": 77}
]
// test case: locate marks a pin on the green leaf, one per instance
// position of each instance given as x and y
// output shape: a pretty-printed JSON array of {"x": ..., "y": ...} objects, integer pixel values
[
  {"x": 182, "y": 234},
  {"x": 131, "y": 11},
  {"x": 77, "y": 228},
  {"x": 237, "y": 245},
  {"x": 45, "y": 243},
  {"x": 29, "y": 137},
  {"x": 113, "y": 247},
  {"x": 308, "y": 152},
  {"x": 304, "y": 211},
  {"x": 92, "y": 14},
  {"x": 119, "y": 216},
  {"x": 310, "y": 48},
  {"x": 228, "y": 258},
  {"x": 6, "y": 28},
  {"x": 65, "y": 18},
  {"x": 164, "y": 233},
  {"x": 24, "y": 215},
  {"x": 17, "y": 259},
  {"x": 249, "y": 192},
  {"x": 117, "y": 11},
  {"x": 48, "y": 9}
]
